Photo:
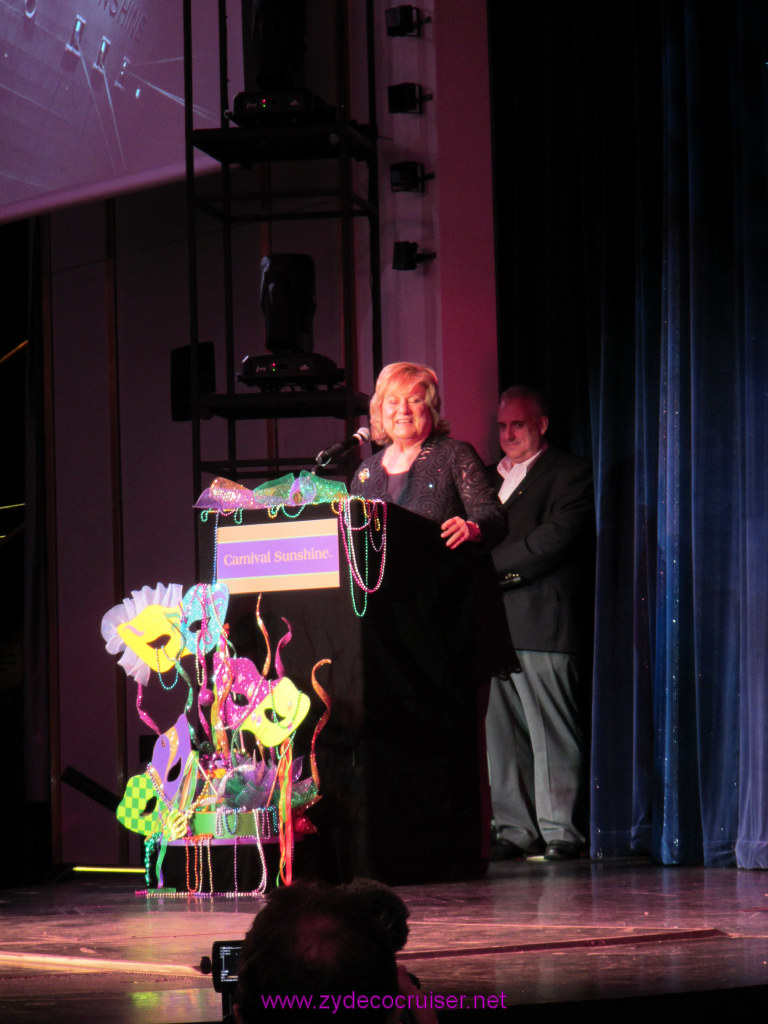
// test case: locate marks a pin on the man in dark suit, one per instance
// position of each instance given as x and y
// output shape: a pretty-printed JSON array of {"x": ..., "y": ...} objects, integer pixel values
[{"x": 535, "y": 741}]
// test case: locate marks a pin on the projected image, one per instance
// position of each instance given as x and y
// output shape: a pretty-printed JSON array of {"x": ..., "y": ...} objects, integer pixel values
[{"x": 92, "y": 96}]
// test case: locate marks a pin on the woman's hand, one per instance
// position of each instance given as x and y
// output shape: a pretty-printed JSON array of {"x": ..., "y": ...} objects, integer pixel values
[{"x": 455, "y": 531}]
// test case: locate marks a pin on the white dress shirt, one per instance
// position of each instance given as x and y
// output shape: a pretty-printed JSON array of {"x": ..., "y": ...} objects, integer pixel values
[{"x": 514, "y": 473}]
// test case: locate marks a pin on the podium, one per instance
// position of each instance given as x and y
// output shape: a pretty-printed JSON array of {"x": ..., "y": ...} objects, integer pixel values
[{"x": 403, "y": 777}]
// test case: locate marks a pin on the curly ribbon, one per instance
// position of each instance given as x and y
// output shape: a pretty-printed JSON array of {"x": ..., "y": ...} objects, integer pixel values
[
  {"x": 285, "y": 780},
  {"x": 146, "y": 719},
  {"x": 265, "y": 634},
  {"x": 280, "y": 644},
  {"x": 219, "y": 731},
  {"x": 320, "y": 725}
]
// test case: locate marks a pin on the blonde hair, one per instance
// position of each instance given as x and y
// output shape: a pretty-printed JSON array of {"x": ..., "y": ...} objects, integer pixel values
[{"x": 402, "y": 376}]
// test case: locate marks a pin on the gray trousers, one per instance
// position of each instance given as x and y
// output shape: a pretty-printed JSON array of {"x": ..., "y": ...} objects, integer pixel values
[{"x": 535, "y": 751}]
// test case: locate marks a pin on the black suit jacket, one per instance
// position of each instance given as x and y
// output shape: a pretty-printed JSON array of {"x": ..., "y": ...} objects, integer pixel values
[{"x": 545, "y": 563}]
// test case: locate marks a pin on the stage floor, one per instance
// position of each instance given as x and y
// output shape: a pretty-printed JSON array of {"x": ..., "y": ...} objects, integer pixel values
[{"x": 532, "y": 935}]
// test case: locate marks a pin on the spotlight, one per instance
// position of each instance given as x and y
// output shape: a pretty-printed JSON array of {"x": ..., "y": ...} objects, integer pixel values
[
  {"x": 404, "y": 20},
  {"x": 408, "y": 176},
  {"x": 406, "y": 98},
  {"x": 407, "y": 257},
  {"x": 288, "y": 302}
]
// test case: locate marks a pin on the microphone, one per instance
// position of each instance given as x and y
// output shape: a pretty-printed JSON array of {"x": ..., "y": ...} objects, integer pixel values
[{"x": 331, "y": 454}]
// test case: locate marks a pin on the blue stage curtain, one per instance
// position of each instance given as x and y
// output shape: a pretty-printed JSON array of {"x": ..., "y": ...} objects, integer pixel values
[{"x": 679, "y": 412}]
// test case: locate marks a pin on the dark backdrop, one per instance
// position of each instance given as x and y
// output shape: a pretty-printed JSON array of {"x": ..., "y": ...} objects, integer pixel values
[{"x": 630, "y": 158}]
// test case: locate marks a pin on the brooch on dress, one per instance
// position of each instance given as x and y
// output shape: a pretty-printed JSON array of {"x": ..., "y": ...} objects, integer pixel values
[{"x": 363, "y": 475}]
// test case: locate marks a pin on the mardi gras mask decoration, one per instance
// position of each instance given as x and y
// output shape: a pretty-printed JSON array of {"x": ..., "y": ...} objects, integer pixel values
[
  {"x": 146, "y": 630},
  {"x": 245, "y": 700}
]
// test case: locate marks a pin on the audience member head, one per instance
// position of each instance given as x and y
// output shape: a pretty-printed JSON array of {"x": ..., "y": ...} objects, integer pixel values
[
  {"x": 385, "y": 906},
  {"x": 316, "y": 941}
]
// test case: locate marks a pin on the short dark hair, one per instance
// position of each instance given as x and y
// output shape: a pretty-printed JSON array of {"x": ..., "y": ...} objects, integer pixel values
[
  {"x": 526, "y": 394},
  {"x": 315, "y": 940}
]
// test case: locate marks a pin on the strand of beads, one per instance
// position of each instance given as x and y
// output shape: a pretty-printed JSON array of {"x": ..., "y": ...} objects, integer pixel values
[
  {"x": 378, "y": 515},
  {"x": 359, "y": 612},
  {"x": 223, "y": 826},
  {"x": 196, "y": 842},
  {"x": 261, "y": 887},
  {"x": 373, "y": 523},
  {"x": 237, "y": 515},
  {"x": 201, "y": 846}
]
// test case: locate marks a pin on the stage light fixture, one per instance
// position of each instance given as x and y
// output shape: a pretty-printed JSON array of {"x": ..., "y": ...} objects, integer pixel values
[
  {"x": 406, "y": 98},
  {"x": 404, "y": 20},
  {"x": 76, "y": 39},
  {"x": 98, "y": 64},
  {"x": 121, "y": 75},
  {"x": 407, "y": 257},
  {"x": 288, "y": 302},
  {"x": 408, "y": 176}
]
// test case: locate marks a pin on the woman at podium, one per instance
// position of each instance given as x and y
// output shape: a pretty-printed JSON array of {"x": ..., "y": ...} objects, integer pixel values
[
  {"x": 429, "y": 649},
  {"x": 421, "y": 468}
]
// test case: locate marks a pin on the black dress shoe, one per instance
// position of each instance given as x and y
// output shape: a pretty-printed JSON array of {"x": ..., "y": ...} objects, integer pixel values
[
  {"x": 502, "y": 849},
  {"x": 561, "y": 849}
]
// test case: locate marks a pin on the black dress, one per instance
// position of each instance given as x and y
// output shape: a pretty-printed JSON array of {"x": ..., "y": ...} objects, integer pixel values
[{"x": 432, "y": 637}]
